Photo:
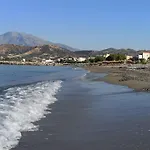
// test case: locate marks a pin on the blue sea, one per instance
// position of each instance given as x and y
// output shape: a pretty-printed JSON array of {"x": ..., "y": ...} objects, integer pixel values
[
  {"x": 25, "y": 94},
  {"x": 97, "y": 112}
]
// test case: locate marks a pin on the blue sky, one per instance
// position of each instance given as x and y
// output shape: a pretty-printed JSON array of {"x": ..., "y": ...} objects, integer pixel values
[{"x": 84, "y": 24}]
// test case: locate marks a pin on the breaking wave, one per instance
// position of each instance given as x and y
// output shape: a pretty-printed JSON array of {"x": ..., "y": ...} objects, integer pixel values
[{"x": 20, "y": 107}]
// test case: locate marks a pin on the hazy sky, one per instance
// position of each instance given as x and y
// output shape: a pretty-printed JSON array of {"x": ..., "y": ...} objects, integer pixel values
[{"x": 85, "y": 24}]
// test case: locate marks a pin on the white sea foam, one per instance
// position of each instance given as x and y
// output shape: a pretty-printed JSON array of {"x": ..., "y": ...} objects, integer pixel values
[{"x": 20, "y": 107}]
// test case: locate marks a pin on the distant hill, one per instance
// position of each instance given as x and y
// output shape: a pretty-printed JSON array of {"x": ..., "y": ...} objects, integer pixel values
[
  {"x": 43, "y": 51},
  {"x": 115, "y": 51},
  {"x": 11, "y": 49},
  {"x": 87, "y": 53},
  {"x": 27, "y": 40},
  {"x": 47, "y": 51},
  {"x": 66, "y": 47},
  {"x": 84, "y": 53},
  {"x": 50, "y": 50}
]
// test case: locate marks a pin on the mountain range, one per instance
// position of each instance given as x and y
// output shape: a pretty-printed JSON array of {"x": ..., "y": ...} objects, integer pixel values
[
  {"x": 50, "y": 50},
  {"x": 25, "y": 45},
  {"x": 42, "y": 51},
  {"x": 27, "y": 40}
]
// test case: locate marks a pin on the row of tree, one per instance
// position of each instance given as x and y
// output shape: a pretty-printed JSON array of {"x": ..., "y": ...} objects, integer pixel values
[{"x": 111, "y": 57}]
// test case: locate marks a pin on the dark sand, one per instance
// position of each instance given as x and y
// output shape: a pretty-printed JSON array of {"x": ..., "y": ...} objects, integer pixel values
[
  {"x": 81, "y": 120},
  {"x": 135, "y": 79}
]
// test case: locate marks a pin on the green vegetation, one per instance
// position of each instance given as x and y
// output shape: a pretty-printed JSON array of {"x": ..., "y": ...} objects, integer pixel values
[
  {"x": 143, "y": 61},
  {"x": 111, "y": 57},
  {"x": 12, "y": 59},
  {"x": 96, "y": 59},
  {"x": 99, "y": 58},
  {"x": 91, "y": 60},
  {"x": 116, "y": 57}
]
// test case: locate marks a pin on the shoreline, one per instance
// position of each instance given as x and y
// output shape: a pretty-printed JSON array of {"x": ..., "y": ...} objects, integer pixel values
[
  {"x": 28, "y": 63},
  {"x": 137, "y": 79},
  {"x": 135, "y": 76}
]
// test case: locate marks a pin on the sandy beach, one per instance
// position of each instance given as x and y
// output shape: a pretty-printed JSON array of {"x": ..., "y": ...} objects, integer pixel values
[{"x": 137, "y": 79}]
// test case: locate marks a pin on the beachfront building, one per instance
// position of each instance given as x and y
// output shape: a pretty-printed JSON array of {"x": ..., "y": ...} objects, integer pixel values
[
  {"x": 144, "y": 55},
  {"x": 75, "y": 59},
  {"x": 24, "y": 60},
  {"x": 47, "y": 61},
  {"x": 129, "y": 57},
  {"x": 81, "y": 59},
  {"x": 106, "y": 55}
]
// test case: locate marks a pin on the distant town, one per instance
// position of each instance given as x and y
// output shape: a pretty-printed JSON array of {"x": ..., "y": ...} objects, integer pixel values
[{"x": 116, "y": 58}]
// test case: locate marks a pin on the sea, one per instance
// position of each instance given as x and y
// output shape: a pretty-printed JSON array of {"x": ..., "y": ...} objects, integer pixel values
[{"x": 69, "y": 108}]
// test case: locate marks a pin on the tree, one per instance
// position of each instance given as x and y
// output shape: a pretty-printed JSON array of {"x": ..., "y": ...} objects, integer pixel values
[
  {"x": 116, "y": 57},
  {"x": 120, "y": 57},
  {"x": 111, "y": 57},
  {"x": 99, "y": 58},
  {"x": 91, "y": 60}
]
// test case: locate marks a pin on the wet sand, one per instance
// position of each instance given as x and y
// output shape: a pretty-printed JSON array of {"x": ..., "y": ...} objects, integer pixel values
[
  {"x": 135, "y": 79},
  {"x": 82, "y": 120}
]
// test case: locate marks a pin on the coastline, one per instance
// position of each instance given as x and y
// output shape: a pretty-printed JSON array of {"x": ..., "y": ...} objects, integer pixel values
[
  {"x": 29, "y": 63},
  {"x": 137, "y": 79}
]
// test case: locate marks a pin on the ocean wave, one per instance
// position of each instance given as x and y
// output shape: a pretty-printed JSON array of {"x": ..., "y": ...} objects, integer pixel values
[{"x": 20, "y": 107}]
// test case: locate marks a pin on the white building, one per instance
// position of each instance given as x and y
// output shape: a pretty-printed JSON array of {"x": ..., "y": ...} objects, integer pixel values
[
  {"x": 81, "y": 59},
  {"x": 70, "y": 58},
  {"x": 49, "y": 61},
  {"x": 128, "y": 57},
  {"x": 106, "y": 55},
  {"x": 24, "y": 60},
  {"x": 144, "y": 55}
]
